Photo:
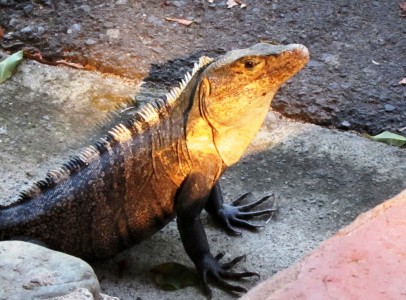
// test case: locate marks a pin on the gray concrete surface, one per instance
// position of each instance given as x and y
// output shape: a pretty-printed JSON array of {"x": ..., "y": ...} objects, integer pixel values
[{"x": 322, "y": 179}]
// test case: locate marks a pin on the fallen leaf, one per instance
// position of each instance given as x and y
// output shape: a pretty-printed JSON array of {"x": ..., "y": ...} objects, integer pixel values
[
  {"x": 389, "y": 138},
  {"x": 271, "y": 42},
  {"x": 403, "y": 81},
  {"x": 180, "y": 21},
  {"x": 231, "y": 3},
  {"x": 8, "y": 65},
  {"x": 173, "y": 276},
  {"x": 1, "y": 32},
  {"x": 403, "y": 8},
  {"x": 70, "y": 64}
]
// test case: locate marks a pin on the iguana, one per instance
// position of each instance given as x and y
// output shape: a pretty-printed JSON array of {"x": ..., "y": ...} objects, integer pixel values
[{"x": 163, "y": 163}]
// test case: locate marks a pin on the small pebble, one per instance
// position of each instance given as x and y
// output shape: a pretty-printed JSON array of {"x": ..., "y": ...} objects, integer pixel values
[
  {"x": 28, "y": 9},
  {"x": 90, "y": 42},
  {"x": 113, "y": 33},
  {"x": 40, "y": 30},
  {"x": 74, "y": 29},
  {"x": 27, "y": 29},
  {"x": 178, "y": 4},
  {"x": 345, "y": 124},
  {"x": 389, "y": 107},
  {"x": 13, "y": 22},
  {"x": 86, "y": 8}
]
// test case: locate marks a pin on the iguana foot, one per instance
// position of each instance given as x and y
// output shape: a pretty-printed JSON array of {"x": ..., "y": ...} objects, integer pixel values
[
  {"x": 235, "y": 215},
  {"x": 210, "y": 267}
]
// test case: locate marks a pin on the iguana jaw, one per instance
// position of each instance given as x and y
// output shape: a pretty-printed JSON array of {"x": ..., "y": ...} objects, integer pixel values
[{"x": 236, "y": 91}]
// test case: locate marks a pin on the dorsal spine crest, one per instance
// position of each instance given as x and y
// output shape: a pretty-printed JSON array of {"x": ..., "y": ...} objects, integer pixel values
[{"x": 146, "y": 116}]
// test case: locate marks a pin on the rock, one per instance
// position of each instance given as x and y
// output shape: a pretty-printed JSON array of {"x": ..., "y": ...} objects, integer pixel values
[
  {"x": 82, "y": 294},
  {"x": 113, "y": 33},
  {"x": 28, "y": 9},
  {"x": 40, "y": 30},
  {"x": 29, "y": 271},
  {"x": 86, "y": 8},
  {"x": 345, "y": 124},
  {"x": 178, "y": 4},
  {"x": 26, "y": 30},
  {"x": 47, "y": 2},
  {"x": 314, "y": 64},
  {"x": 79, "y": 294},
  {"x": 389, "y": 107},
  {"x": 331, "y": 59},
  {"x": 90, "y": 42},
  {"x": 13, "y": 22},
  {"x": 74, "y": 29}
]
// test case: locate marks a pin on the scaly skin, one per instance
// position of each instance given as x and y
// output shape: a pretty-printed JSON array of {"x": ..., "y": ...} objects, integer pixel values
[{"x": 164, "y": 163}]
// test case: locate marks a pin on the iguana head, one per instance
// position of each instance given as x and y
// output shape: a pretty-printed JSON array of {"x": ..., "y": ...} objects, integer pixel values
[{"x": 236, "y": 91}]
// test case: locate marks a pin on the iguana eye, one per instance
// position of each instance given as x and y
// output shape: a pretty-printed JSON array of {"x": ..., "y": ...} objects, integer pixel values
[{"x": 250, "y": 64}]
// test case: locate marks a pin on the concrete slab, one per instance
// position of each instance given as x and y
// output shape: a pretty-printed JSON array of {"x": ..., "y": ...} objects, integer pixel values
[
  {"x": 365, "y": 260},
  {"x": 322, "y": 179}
]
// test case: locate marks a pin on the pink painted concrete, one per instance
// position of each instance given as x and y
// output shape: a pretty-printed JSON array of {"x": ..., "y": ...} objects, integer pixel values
[{"x": 365, "y": 260}]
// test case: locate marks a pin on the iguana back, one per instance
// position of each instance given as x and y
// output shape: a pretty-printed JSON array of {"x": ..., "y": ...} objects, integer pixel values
[{"x": 115, "y": 193}]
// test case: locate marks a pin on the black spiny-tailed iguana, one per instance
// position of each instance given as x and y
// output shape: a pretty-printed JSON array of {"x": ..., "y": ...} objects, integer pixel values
[{"x": 164, "y": 162}]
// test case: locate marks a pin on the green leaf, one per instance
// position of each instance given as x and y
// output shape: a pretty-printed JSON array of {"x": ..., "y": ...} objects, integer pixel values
[
  {"x": 8, "y": 65},
  {"x": 389, "y": 138},
  {"x": 173, "y": 276}
]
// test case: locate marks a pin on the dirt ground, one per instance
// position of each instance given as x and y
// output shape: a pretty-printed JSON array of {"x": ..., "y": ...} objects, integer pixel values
[{"x": 357, "y": 47}]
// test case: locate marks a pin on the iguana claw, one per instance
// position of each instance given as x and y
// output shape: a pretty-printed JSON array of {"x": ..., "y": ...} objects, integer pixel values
[
  {"x": 210, "y": 267},
  {"x": 234, "y": 215}
]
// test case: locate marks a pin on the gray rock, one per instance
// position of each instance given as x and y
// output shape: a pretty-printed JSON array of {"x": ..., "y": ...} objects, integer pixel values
[
  {"x": 178, "y": 4},
  {"x": 389, "y": 107},
  {"x": 74, "y": 29},
  {"x": 40, "y": 30},
  {"x": 79, "y": 294},
  {"x": 27, "y": 29},
  {"x": 331, "y": 59},
  {"x": 90, "y": 42},
  {"x": 86, "y": 8},
  {"x": 30, "y": 271},
  {"x": 345, "y": 124},
  {"x": 28, "y": 9},
  {"x": 14, "y": 22},
  {"x": 82, "y": 294},
  {"x": 314, "y": 64}
]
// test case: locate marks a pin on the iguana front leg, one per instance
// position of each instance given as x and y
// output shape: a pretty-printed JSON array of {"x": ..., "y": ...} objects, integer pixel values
[
  {"x": 232, "y": 215},
  {"x": 190, "y": 202}
]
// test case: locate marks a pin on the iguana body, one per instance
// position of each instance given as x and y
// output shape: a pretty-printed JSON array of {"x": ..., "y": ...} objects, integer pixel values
[{"x": 163, "y": 163}]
